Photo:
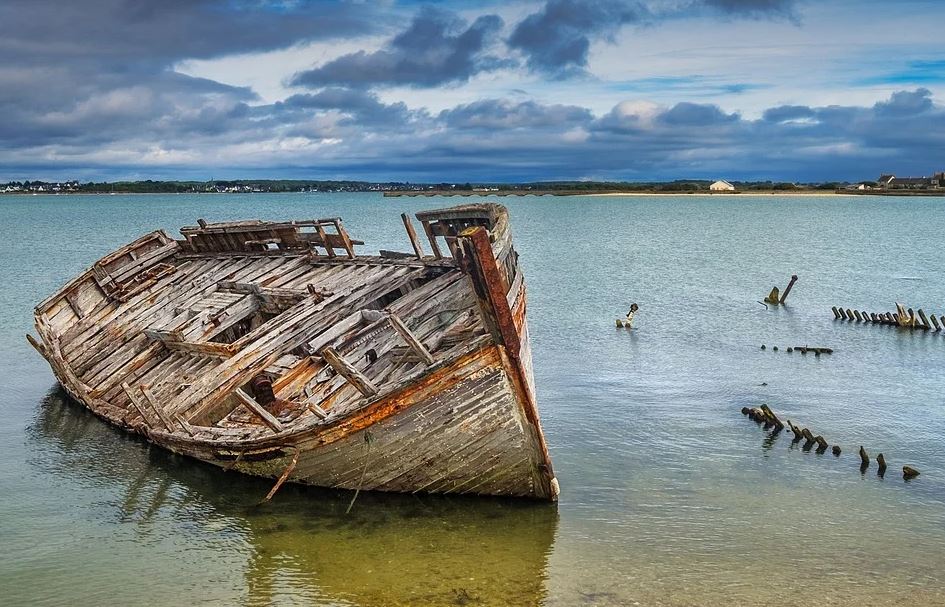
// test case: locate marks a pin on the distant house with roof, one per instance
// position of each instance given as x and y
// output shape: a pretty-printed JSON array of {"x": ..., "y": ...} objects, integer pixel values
[
  {"x": 722, "y": 186},
  {"x": 891, "y": 182}
]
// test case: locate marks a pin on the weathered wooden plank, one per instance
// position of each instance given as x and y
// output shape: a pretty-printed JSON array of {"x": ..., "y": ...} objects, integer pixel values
[
  {"x": 164, "y": 335},
  {"x": 490, "y": 288},
  {"x": 431, "y": 237},
  {"x": 292, "y": 329},
  {"x": 345, "y": 240},
  {"x": 149, "y": 397},
  {"x": 250, "y": 403},
  {"x": 412, "y": 341},
  {"x": 144, "y": 262},
  {"x": 117, "y": 369},
  {"x": 348, "y": 371},
  {"x": 139, "y": 406},
  {"x": 412, "y": 235},
  {"x": 210, "y": 348}
]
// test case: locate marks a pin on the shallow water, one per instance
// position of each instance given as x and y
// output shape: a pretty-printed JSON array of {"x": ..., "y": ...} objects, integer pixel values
[{"x": 669, "y": 495}]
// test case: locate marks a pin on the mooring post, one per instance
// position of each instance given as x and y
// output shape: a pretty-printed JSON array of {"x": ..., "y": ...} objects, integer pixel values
[
  {"x": 789, "y": 287},
  {"x": 881, "y": 462},
  {"x": 836, "y": 314},
  {"x": 925, "y": 321},
  {"x": 935, "y": 322}
]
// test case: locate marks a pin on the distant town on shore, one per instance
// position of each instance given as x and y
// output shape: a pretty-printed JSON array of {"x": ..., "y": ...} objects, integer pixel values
[{"x": 885, "y": 184}]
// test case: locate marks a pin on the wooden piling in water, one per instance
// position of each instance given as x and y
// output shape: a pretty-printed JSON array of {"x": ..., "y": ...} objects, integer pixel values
[
  {"x": 925, "y": 321},
  {"x": 881, "y": 462},
  {"x": 856, "y": 314},
  {"x": 864, "y": 457},
  {"x": 789, "y": 287},
  {"x": 908, "y": 472},
  {"x": 935, "y": 322},
  {"x": 772, "y": 417},
  {"x": 836, "y": 313}
]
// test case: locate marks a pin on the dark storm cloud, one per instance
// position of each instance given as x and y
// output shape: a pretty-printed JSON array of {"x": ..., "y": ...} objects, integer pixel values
[
  {"x": 557, "y": 38},
  {"x": 489, "y": 140},
  {"x": 130, "y": 32},
  {"x": 506, "y": 114},
  {"x": 81, "y": 75},
  {"x": 437, "y": 48},
  {"x": 351, "y": 133},
  {"x": 752, "y": 7},
  {"x": 362, "y": 107}
]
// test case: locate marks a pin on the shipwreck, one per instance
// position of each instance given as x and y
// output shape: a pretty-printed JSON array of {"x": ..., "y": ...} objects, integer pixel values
[{"x": 274, "y": 349}]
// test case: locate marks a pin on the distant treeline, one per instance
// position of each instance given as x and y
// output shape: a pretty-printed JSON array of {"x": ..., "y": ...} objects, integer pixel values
[
  {"x": 179, "y": 187},
  {"x": 667, "y": 186},
  {"x": 299, "y": 185}
]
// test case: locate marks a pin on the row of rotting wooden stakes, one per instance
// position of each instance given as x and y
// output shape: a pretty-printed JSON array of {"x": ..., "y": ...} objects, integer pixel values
[
  {"x": 766, "y": 417},
  {"x": 902, "y": 318}
]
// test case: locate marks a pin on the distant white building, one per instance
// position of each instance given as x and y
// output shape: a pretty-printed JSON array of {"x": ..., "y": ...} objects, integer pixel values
[{"x": 722, "y": 186}]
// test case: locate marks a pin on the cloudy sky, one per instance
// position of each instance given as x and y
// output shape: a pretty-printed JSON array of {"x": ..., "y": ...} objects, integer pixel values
[{"x": 479, "y": 90}]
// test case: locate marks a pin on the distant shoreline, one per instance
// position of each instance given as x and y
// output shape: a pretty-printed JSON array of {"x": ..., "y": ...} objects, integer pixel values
[
  {"x": 520, "y": 193},
  {"x": 508, "y": 193},
  {"x": 747, "y": 193}
]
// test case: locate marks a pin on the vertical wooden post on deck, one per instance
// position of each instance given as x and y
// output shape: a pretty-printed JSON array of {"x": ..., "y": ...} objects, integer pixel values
[{"x": 412, "y": 234}]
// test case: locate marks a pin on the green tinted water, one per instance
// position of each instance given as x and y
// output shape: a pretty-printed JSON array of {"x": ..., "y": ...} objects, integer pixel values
[{"x": 669, "y": 496}]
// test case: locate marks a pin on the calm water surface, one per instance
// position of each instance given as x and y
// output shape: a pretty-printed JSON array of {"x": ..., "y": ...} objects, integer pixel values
[{"x": 669, "y": 496}]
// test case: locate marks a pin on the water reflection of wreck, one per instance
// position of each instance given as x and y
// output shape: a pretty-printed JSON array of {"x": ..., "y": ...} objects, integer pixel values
[
  {"x": 388, "y": 550},
  {"x": 273, "y": 349}
]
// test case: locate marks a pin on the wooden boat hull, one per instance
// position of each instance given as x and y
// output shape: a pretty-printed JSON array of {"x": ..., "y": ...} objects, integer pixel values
[{"x": 466, "y": 423}]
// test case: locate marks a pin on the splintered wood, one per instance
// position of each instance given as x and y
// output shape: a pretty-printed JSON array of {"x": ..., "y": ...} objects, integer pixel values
[{"x": 246, "y": 339}]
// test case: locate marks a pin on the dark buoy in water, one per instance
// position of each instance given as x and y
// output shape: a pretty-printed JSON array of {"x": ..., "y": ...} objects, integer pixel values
[
  {"x": 790, "y": 350},
  {"x": 745, "y": 410},
  {"x": 836, "y": 450},
  {"x": 909, "y": 472},
  {"x": 775, "y": 348},
  {"x": 763, "y": 347}
]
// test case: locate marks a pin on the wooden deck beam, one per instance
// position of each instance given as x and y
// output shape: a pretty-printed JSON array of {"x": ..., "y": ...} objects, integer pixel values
[
  {"x": 411, "y": 339},
  {"x": 348, "y": 371},
  {"x": 258, "y": 410}
]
